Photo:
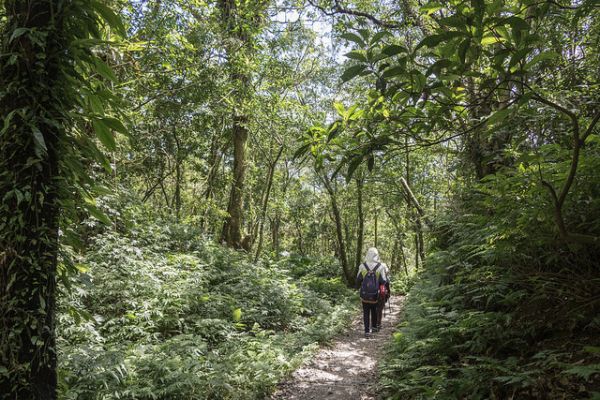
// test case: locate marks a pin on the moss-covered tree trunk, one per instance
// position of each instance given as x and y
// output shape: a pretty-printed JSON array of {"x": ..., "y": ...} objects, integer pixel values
[
  {"x": 31, "y": 112},
  {"x": 241, "y": 22}
]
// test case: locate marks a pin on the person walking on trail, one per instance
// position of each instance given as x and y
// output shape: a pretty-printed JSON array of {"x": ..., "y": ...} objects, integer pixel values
[{"x": 371, "y": 275}]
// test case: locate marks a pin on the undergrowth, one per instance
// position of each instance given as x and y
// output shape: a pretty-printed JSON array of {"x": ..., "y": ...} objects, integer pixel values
[
  {"x": 503, "y": 309},
  {"x": 159, "y": 313}
]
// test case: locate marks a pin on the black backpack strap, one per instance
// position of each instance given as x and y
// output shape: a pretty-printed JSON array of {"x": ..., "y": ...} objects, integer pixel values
[{"x": 377, "y": 266}]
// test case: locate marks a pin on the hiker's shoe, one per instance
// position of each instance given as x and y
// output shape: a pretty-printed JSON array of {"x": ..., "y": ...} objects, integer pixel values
[
  {"x": 375, "y": 329},
  {"x": 367, "y": 335}
]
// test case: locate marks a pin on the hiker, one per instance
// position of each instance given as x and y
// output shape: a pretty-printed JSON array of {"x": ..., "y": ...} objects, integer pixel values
[{"x": 371, "y": 274}]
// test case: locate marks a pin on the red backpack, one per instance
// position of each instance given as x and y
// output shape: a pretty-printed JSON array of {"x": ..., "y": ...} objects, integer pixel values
[{"x": 383, "y": 293}]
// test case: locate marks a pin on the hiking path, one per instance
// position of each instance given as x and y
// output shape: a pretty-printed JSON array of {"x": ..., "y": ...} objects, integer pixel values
[{"x": 347, "y": 369}]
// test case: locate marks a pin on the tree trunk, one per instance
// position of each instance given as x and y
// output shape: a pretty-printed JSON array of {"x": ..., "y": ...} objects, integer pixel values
[
  {"x": 339, "y": 230},
  {"x": 300, "y": 238},
  {"x": 417, "y": 250},
  {"x": 403, "y": 254},
  {"x": 178, "y": 176},
  {"x": 232, "y": 228},
  {"x": 265, "y": 202},
  {"x": 34, "y": 104},
  {"x": 419, "y": 231},
  {"x": 216, "y": 155},
  {"x": 275, "y": 225},
  {"x": 376, "y": 226},
  {"x": 240, "y": 27},
  {"x": 232, "y": 21},
  {"x": 361, "y": 221}
]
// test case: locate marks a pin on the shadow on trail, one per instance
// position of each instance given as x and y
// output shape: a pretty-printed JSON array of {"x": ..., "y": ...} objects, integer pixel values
[{"x": 345, "y": 370}]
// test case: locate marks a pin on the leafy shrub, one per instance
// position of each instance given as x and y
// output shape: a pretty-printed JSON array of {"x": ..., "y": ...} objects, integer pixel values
[
  {"x": 161, "y": 313},
  {"x": 504, "y": 310}
]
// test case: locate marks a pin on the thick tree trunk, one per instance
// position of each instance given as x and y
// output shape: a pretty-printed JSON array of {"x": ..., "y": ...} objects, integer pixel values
[
  {"x": 232, "y": 228},
  {"x": 239, "y": 21},
  {"x": 30, "y": 148}
]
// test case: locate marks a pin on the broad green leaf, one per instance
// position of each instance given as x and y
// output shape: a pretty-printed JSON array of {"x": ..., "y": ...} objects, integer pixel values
[
  {"x": 438, "y": 66},
  {"x": 418, "y": 80},
  {"x": 104, "y": 70},
  {"x": 113, "y": 20},
  {"x": 115, "y": 124},
  {"x": 498, "y": 116},
  {"x": 104, "y": 134},
  {"x": 96, "y": 213},
  {"x": 339, "y": 107},
  {"x": 354, "y": 164},
  {"x": 393, "y": 49},
  {"x": 353, "y": 37},
  {"x": 394, "y": 71},
  {"x": 431, "y": 7},
  {"x": 434, "y": 40},
  {"x": 237, "y": 314},
  {"x": 334, "y": 130},
  {"x": 547, "y": 55},
  {"x": 357, "y": 55},
  {"x": 365, "y": 34},
  {"x": 7, "y": 120},
  {"x": 18, "y": 33},
  {"x": 40, "y": 143},
  {"x": 352, "y": 72},
  {"x": 491, "y": 39},
  {"x": 517, "y": 23},
  {"x": 518, "y": 56},
  {"x": 454, "y": 21},
  {"x": 301, "y": 151},
  {"x": 378, "y": 36}
]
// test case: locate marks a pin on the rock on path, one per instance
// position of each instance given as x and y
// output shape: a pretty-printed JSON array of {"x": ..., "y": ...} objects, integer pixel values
[{"x": 347, "y": 369}]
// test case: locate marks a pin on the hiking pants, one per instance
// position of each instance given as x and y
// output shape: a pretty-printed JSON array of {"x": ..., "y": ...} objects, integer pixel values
[{"x": 369, "y": 313}]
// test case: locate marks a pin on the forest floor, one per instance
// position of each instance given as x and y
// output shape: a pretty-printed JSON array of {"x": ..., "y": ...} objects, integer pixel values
[{"x": 346, "y": 370}]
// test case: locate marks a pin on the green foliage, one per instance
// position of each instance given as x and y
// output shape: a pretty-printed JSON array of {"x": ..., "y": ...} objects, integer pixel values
[
  {"x": 50, "y": 52},
  {"x": 162, "y": 313},
  {"x": 502, "y": 309}
]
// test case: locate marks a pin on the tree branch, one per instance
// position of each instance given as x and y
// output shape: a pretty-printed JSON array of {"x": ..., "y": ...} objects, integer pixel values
[
  {"x": 338, "y": 9},
  {"x": 590, "y": 128}
]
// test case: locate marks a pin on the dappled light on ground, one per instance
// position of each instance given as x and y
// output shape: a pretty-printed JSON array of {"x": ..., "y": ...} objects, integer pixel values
[{"x": 347, "y": 369}]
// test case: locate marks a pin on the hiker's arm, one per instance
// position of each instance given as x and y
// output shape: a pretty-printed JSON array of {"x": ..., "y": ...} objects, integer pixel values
[
  {"x": 385, "y": 274},
  {"x": 382, "y": 277}
]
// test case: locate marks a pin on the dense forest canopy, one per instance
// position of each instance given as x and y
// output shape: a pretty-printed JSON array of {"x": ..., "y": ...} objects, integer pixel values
[{"x": 188, "y": 187}]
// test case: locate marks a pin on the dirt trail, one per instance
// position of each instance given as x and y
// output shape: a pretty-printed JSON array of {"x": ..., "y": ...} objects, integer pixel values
[{"x": 347, "y": 369}]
